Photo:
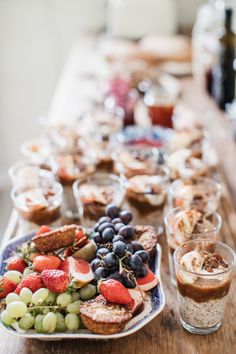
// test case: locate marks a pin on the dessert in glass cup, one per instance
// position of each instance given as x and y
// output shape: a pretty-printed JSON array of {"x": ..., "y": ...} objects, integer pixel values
[
  {"x": 94, "y": 193},
  {"x": 146, "y": 195},
  {"x": 133, "y": 160},
  {"x": 70, "y": 167},
  {"x": 202, "y": 194},
  {"x": 25, "y": 173},
  {"x": 203, "y": 275},
  {"x": 182, "y": 225},
  {"x": 38, "y": 204}
]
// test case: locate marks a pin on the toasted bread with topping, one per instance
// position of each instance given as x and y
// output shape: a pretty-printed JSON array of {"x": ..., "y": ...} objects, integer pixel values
[
  {"x": 102, "y": 317},
  {"x": 55, "y": 239},
  {"x": 147, "y": 236}
]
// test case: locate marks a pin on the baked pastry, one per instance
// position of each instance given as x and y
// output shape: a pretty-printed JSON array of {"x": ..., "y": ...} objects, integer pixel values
[
  {"x": 102, "y": 317},
  {"x": 52, "y": 240},
  {"x": 147, "y": 236}
]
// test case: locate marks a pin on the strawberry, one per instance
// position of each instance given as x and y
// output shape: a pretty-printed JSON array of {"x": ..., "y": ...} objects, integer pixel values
[
  {"x": 16, "y": 263},
  {"x": 6, "y": 286},
  {"x": 148, "y": 282},
  {"x": 55, "y": 280},
  {"x": 33, "y": 282},
  {"x": 43, "y": 229},
  {"x": 44, "y": 262},
  {"x": 115, "y": 292}
]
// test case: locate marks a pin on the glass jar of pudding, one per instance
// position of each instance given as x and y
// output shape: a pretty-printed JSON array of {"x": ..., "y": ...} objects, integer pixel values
[
  {"x": 203, "y": 271},
  {"x": 160, "y": 106},
  {"x": 146, "y": 196},
  {"x": 202, "y": 194},
  {"x": 95, "y": 193},
  {"x": 71, "y": 167},
  {"x": 136, "y": 160},
  {"x": 25, "y": 173},
  {"x": 37, "y": 150},
  {"x": 182, "y": 225},
  {"x": 101, "y": 126},
  {"x": 38, "y": 204}
]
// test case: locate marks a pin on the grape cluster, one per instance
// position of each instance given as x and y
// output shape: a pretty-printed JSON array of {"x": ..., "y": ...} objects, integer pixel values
[
  {"x": 45, "y": 311},
  {"x": 118, "y": 256}
]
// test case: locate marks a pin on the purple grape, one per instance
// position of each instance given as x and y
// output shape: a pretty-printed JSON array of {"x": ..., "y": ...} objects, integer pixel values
[
  {"x": 137, "y": 246},
  {"x": 108, "y": 235},
  {"x": 112, "y": 211},
  {"x": 126, "y": 216},
  {"x": 127, "y": 231}
]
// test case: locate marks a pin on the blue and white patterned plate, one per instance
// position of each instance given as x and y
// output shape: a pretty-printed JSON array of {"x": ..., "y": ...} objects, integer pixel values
[{"x": 152, "y": 307}]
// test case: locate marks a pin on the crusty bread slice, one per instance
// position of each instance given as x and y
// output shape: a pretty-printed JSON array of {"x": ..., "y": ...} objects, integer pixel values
[{"x": 55, "y": 239}]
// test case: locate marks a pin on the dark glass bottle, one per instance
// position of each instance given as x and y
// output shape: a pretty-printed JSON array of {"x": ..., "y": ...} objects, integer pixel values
[{"x": 224, "y": 71}]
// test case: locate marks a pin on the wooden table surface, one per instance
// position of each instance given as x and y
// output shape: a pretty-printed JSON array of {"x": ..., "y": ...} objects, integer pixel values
[{"x": 164, "y": 334}]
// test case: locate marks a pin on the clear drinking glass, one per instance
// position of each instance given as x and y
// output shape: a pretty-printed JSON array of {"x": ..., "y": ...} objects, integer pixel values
[
  {"x": 202, "y": 294},
  {"x": 95, "y": 193},
  {"x": 38, "y": 204},
  {"x": 179, "y": 230},
  {"x": 201, "y": 194},
  {"x": 25, "y": 173},
  {"x": 146, "y": 196}
]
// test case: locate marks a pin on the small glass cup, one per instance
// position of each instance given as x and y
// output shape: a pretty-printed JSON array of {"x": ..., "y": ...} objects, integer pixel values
[
  {"x": 175, "y": 237},
  {"x": 146, "y": 196},
  {"x": 202, "y": 295},
  {"x": 95, "y": 193},
  {"x": 136, "y": 160},
  {"x": 160, "y": 106},
  {"x": 38, "y": 204},
  {"x": 25, "y": 173},
  {"x": 72, "y": 167},
  {"x": 37, "y": 150},
  {"x": 202, "y": 194}
]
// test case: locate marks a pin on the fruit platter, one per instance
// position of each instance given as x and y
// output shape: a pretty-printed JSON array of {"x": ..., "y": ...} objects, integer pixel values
[{"x": 72, "y": 282}]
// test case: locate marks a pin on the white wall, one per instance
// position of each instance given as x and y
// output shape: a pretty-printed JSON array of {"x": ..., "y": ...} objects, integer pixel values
[{"x": 35, "y": 36}]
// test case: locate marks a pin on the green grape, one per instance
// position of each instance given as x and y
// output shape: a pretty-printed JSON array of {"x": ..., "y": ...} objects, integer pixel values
[
  {"x": 27, "y": 271},
  {"x": 39, "y": 296},
  {"x": 50, "y": 300},
  {"x": 49, "y": 322},
  {"x": 46, "y": 310},
  {"x": 75, "y": 296},
  {"x": 72, "y": 321},
  {"x": 74, "y": 307},
  {"x": 38, "y": 323},
  {"x": 13, "y": 275},
  {"x": 6, "y": 318},
  {"x": 26, "y": 321},
  {"x": 61, "y": 325},
  {"x": 12, "y": 297},
  {"x": 16, "y": 309},
  {"x": 26, "y": 295},
  {"x": 87, "y": 292},
  {"x": 63, "y": 300}
]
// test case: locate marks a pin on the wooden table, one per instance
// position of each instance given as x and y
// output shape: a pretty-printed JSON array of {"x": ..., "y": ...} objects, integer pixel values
[{"x": 164, "y": 334}]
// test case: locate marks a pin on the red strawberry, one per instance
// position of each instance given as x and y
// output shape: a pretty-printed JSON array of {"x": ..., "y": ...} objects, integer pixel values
[
  {"x": 43, "y": 229},
  {"x": 32, "y": 281},
  {"x": 44, "y": 262},
  {"x": 148, "y": 282},
  {"x": 16, "y": 263},
  {"x": 115, "y": 292},
  {"x": 55, "y": 280},
  {"x": 6, "y": 286}
]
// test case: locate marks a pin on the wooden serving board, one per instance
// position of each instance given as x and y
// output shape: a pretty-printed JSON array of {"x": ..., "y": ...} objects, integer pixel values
[{"x": 164, "y": 334}]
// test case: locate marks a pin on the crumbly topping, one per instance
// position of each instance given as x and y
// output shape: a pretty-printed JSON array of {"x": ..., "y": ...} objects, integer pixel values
[{"x": 213, "y": 261}]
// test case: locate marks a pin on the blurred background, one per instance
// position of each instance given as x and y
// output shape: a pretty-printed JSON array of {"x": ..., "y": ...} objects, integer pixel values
[{"x": 35, "y": 38}]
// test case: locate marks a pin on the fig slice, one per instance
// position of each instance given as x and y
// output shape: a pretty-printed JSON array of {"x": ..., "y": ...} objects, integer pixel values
[
  {"x": 79, "y": 271},
  {"x": 138, "y": 298},
  {"x": 87, "y": 252},
  {"x": 148, "y": 282}
]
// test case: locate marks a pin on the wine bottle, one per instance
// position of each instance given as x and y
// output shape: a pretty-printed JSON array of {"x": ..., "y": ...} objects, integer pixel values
[{"x": 224, "y": 69}]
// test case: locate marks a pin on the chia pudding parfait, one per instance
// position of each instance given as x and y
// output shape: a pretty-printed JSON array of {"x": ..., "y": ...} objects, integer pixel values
[
  {"x": 200, "y": 194},
  {"x": 182, "y": 225},
  {"x": 203, "y": 275}
]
